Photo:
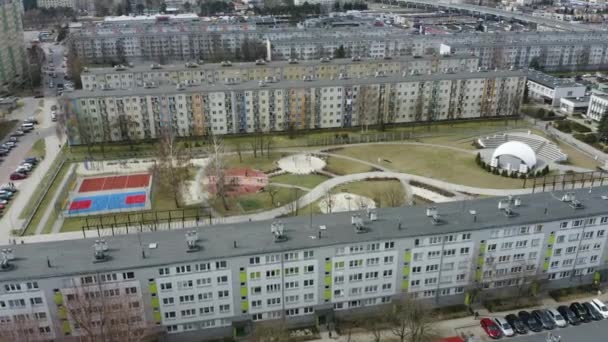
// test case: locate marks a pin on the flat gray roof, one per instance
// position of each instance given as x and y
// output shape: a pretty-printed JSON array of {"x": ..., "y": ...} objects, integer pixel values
[
  {"x": 214, "y": 66},
  {"x": 549, "y": 81},
  {"x": 286, "y": 84},
  {"x": 255, "y": 238}
]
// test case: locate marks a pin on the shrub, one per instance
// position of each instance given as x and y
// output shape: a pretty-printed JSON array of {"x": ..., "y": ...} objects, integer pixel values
[
  {"x": 586, "y": 138},
  {"x": 563, "y": 126},
  {"x": 504, "y": 173},
  {"x": 575, "y": 126},
  {"x": 451, "y": 312},
  {"x": 572, "y": 292},
  {"x": 506, "y": 304},
  {"x": 478, "y": 159}
]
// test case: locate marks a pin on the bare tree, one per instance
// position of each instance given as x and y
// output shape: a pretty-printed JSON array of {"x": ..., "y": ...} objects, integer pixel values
[
  {"x": 375, "y": 326},
  {"x": 272, "y": 191},
  {"x": 239, "y": 151},
  {"x": 412, "y": 321},
  {"x": 269, "y": 144},
  {"x": 107, "y": 312},
  {"x": 271, "y": 331},
  {"x": 171, "y": 164},
  {"x": 75, "y": 66},
  {"x": 25, "y": 328},
  {"x": 392, "y": 195},
  {"x": 328, "y": 198},
  {"x": 216, "y": 169}
]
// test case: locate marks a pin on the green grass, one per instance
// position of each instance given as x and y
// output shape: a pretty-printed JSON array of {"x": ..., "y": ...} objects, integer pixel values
[
  {"x": 262, "y": 163},
  {"x": 340, "y": 166},
  {"x": 374, "y": 189},
  {"x": 46, "y": 201},
  {"x": 575, "y": 157},
  {"x": 434, "y": 162},
  {"x": 38, "y": 149},
  {"x": 259, "y": 201},
  {"x": 6, "y": 127},
  {"x": 307, "y": 181}
]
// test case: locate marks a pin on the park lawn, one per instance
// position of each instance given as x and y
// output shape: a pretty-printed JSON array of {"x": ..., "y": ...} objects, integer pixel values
[
  {"x": 340, "y": 166},
  {"x": 46, "y": 201},
  {"x": 307, "y": 181},
  {"x": 433, "y": 162},
  {"x": 38, "y": 149},
  {"x": 259, "y": 201},
  {"x": 575, "y": 157},
  {"x": 262, "y": 163},
  {"x": 370, "y": 188}
]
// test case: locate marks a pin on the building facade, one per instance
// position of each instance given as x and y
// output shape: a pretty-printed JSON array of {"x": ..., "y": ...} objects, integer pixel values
[
  {"x": 126, "y": 77},
  {"x": 217, "y": 281},
  {"x": 57, "y": 3},
  {"x": 259, "y": 106},
  {"x": 190, "y": 39},
  {"x": 598, "y": 104},
  {"x": 551, "y": 89},
  {"x": 13, "y": 60}
]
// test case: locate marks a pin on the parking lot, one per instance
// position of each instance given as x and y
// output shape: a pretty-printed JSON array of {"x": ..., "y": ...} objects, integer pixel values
[{"x": 587, "y": 332}]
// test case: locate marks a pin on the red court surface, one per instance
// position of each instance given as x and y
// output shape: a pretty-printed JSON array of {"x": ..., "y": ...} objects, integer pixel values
[
  {"x": 79, "y": 205},
  {"x": 115, "y": 182},
  {"x": 135, "y": 199}
]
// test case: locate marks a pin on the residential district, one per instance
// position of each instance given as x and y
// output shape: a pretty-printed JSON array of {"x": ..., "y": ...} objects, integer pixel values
[{"x": 267, "y": 170}]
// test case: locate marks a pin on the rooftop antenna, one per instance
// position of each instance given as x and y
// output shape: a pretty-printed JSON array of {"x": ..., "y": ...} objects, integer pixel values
[
  {"x": 357, "y": 221},
  {"x": 5, "y": 258},
  {"x": 99, "y": 254},
  {"x": 192, "y": 241},
  {"x": 278, "y": 230}
]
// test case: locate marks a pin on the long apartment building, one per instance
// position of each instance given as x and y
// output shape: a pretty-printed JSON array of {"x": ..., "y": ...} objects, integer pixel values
[
  {"x": 190, "y": 38},
  {"x": 140, "y": 75},
  {"x": 215, "y": 281},
  {"x": 259, "y": 106},
  {"x": 13, "y": 60}
]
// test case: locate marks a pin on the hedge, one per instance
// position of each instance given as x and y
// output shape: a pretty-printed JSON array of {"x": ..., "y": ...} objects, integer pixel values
[
  {"x": 573, "y": 292},
  {"x": 507, "y": 304},
  {"x": 590, "y": 138}
]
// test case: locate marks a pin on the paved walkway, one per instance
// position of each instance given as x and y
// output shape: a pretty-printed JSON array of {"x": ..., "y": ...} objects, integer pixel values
[{"x": 51, "y": 207}]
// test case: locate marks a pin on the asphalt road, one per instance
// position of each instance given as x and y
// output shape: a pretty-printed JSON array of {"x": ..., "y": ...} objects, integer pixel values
[{"x": 586, "y": 332}]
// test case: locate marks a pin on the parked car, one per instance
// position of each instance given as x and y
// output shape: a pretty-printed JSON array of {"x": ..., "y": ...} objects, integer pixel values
[
  {"x": 31, "y": 160},
  {"x": 593, "y": 312},
  {"x": 53, "y": 117},
  {"x": 7, "y": 146},
  {"x": 2, "y": 206},
  {"x": 32, "y": 120},
  {"x": 601, "y": 307},
  {"x": 3, "y": 152},
  {"x": 17, "y": 176},
  {"x": 490, "y": 328},
  {"x": 26, "y": 127},
  {"x": 504, "y": 326},
  {"x": 23, "y": 169},
  {"x": 516, "y": 324},
  {"x": 14, "y": 139},
  {"x": 569, "y": 315},
  {"x": 544, "y": 319},
  {"x": 7, "y": 193},
  {"x": 17, "y": 133},
  {"x": 5, "y": 197},
  {"x": 530, "y": 321},
  {"x": 580, "y": 311},
  {"x": 12, "y": 144},
  {"x": 38, "y": 95},
  {"x": 557, "y": 318}
]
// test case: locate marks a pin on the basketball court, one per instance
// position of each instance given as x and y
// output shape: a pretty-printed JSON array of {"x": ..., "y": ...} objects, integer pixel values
[{"x": 108, "y": 194}]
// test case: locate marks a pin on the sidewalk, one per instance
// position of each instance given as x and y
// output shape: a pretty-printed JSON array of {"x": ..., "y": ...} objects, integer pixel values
[{"x": 455, "y": 327}]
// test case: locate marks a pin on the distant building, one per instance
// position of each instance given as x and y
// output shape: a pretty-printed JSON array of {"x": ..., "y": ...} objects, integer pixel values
[
  {"x": 551, "y": 89},
  {"x": 571, "y": 105},
  {"x": 13, "y": 60},
  {"x": 232, "y": 106},
  {"x": 598, "y": 104}
]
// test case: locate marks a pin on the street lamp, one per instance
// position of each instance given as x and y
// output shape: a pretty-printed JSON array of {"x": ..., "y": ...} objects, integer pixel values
[{"x": 348, "y": 198}]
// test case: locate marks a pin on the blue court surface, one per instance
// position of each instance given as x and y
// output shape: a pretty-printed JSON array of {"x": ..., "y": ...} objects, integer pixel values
[{"x": 107, "y": 202}]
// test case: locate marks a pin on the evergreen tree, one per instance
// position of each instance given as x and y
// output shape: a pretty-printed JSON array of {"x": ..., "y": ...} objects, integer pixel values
[
  {"x": 340, "y": 52},
  {"x": 602, "y": 128}
]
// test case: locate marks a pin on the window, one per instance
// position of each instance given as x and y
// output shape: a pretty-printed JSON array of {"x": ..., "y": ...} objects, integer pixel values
[
  {"x": 434, "y": 254},
  {"x": 183, "y": 269},
  {"x": 492, "y": 247},
  {"x": 222, "y": 280},
  {"x": 600, "y": 233},
  {"x": 170, "y": 314},
  {"x": 466, "y": 236},
  {"x": 507, "y": 245},
  {"x": 535, "y": 242},
  {"x": 36, "y": 301},
  {"x": 222, "y": 294},
  {"x": 224, "y": 308},
  {"x": 563, "y": 224},
  {"x": 166, "y": 286},
  {"x": 465, "y": 250},
  {"x": 355, "y": 263},
  {"x": 388, "y": 259},
  {"x": 571, "y": 249},
  {"x": 203, "y": 267},
  {"x": 560, "y": 239},
  {"x": 168, "y": 301},
  {"x": 521, "y": 244},
  {"x": 207, "y": 310},
  {"x": 221, "y": 265},
  {"x": 131, "y": 290},
  {"x": 389, "y": 245},
  {"x": 308, "y": 254},
  {"x": 309, "y": 269},
  {"x": 203, "y": 282},
  {"x": 32, "y": 285},
  {"x": 163, "y": 271},
  {"x": 415, "y": 283},
  {"x": 254, "y": 260},
  {"x": 416, "y": 269},
  {"x": 432, "y": 268},
  {"x": 128, "y": 275},
  {"x": 254, "y": 276},
  {"x": 309, "y": 282}
]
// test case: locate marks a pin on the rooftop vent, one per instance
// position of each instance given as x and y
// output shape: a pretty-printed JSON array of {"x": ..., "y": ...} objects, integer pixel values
[
  {"x": 506, "y": 206},
  {"x": 260, "y": 62},
  {"x": 278, "y": 230},
  {"x": 6, "y": 256},
  {"x": 99, "y": 251},
  {"x": 433, "y": 213},
  {"x": 372, "y": 215},
  {"x": 120, "y": 67},
  {"x": 293, "y": 61},
  {"x": 226, "y": 63},
  {"x": 357, "y": 222},
  {"x": 324, "y": 60},
  {"x": 180, "y": 86},
  {"x": 192, "y": 241},
  {"x": 261, "y": 83},
  {"x": 191, "y": 65},
  {"x": 568, "y": 197},
  {"x": 155, "y": 66},
  {"x": 356, "y": 58}
]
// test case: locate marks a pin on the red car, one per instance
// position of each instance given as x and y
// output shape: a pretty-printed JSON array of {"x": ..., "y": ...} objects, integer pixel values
[
  {"x": 17, "y": 176},
  {"x": 490, "y": 328}
]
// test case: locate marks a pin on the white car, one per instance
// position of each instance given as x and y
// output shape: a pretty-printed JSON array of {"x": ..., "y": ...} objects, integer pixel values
[
  {"x": 557, "y": 318},
  {"x": 504, "y": 326},
  {"x": 601, "y": 307}
]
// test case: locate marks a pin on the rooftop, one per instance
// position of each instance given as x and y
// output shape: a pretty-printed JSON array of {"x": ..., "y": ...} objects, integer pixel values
[
  {"x": 212, "y": 66},
  {"x": 286, "y": 84},
  {"x": 550, "y": 81},
  {"x": 127, "y": 251}
]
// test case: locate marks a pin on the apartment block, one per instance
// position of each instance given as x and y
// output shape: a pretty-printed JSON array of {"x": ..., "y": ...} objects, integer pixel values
[
  {"x": 260, "y": 106},
  {"x": 13, "y": 61},
  {"x": 217, "y": 281},
  {"x": 138, "y": 76},
  {"x": 57, "y": 3},
  {"x": 598, "y": 104},
  {"x": 550, "y": 89}
]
